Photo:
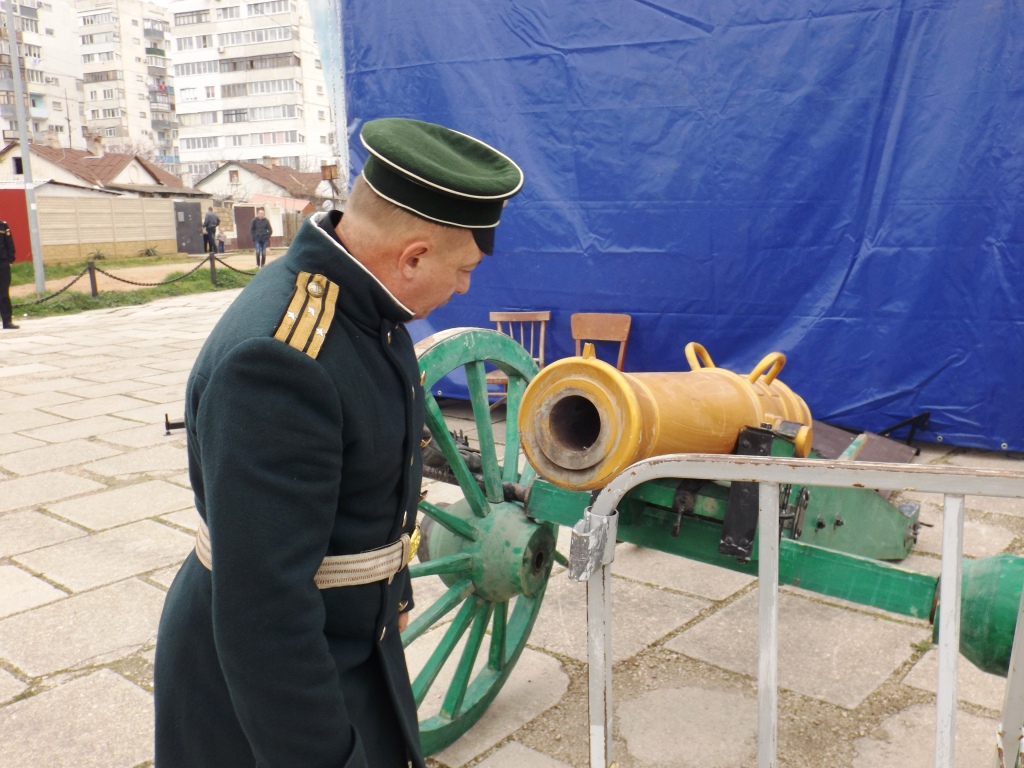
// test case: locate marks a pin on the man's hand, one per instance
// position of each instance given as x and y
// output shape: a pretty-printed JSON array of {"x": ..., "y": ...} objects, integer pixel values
[{"x": 403, "y": 621}]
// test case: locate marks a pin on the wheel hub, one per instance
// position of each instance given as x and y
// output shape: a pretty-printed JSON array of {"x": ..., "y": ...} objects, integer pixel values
[{"x": 512, "y": 555}]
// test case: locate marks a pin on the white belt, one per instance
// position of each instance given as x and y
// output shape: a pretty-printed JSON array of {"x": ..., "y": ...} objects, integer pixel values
[{"x": 341, "y": 570}]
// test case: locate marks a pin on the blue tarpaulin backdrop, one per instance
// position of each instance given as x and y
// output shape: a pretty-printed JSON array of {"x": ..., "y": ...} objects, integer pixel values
[{"x": 841, "y": 180}]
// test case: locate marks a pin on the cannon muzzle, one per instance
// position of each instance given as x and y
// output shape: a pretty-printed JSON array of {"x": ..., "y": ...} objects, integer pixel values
[{"x": 582, "y": 421}]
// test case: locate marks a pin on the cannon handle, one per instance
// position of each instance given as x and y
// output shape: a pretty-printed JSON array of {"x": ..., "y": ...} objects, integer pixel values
[
  {"x": 776, "y": 360},
  {"x": 697, "y": 356}
]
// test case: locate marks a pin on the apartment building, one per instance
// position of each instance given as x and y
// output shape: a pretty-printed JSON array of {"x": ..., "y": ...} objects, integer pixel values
[
  {"x": 129, "y": 93},
  {"x": 46, "y": 45},
  {"x": 250, "y": 85}
]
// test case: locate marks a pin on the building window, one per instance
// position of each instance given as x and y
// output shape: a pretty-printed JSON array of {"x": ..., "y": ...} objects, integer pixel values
[
  {"x": 233, "y": 177},
  {"x": 204, "y": 41},
  {"x": 92, "y": 95},
  {"x": 193, "y": 17},
  {"x": 264, "y": 9},
  {"x": 135, "y": 22},
  {"x": 110, "y": 131},
  {"x": 95, "y": 114},
  {"x": 107, "y": 113},
  {"x": 320, "y": 114},
  {"x": 28, "y": 25},
  {"x": 320, "y": 90},
  {"x": 96, "y": 18},
  {"x": 17, "y": 166},
  {"x": 188, "y": 94},
  {"x": 33, "y": 76},
  {"x": 185, "y": 44},
  {"x": 142, "y": 115},
  {"x": 231, "y": 12},
  {"x": 236, "y": 115},
  {"x": 211, "y": 91},
  {"x": 88, "y": 58},
  {"x": 58, "y": 105},
  {"x": 202, "y": 142}
]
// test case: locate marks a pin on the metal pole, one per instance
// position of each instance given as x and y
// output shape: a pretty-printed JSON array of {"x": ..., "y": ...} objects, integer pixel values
[
  {"x": 949, "y": 629},
  {"x": 26, "y": 151},
  {"x": 213, "y": 268},
  {"x": 768, "y": 623},
  {"x": 92, "y": 279}
]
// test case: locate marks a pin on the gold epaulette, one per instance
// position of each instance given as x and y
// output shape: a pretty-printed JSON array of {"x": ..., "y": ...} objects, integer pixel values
[{"x": 309, "y": 314}]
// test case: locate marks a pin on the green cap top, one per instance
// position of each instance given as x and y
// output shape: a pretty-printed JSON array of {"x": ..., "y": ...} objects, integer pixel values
[{"x": 439, "y": 174}]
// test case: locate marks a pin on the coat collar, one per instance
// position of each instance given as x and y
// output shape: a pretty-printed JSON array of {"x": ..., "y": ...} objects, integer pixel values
[{"x": 362, "y": 297}]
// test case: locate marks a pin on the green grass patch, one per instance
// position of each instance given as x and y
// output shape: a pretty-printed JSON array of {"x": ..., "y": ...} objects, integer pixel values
[
  {"x": 23, "y": 273},
  {"x": 69, "y": 302}
]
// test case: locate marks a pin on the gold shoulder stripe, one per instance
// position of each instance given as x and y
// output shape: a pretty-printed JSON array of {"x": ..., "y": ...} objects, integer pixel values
[
  {"x": 324, "y": 322},
  {"x": 295, "y": 308}
]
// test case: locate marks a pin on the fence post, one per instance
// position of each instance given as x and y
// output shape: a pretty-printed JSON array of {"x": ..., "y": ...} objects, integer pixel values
[
  {"x": 92, "y": 278},
  {"x": 213, "y": 268}
]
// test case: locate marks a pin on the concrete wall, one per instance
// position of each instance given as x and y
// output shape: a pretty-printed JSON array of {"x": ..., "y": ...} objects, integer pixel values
[{"x": 72, "y": 229}]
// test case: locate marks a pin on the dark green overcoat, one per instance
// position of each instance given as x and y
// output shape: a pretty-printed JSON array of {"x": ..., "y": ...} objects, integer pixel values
[{"x": 292, "y": 459}]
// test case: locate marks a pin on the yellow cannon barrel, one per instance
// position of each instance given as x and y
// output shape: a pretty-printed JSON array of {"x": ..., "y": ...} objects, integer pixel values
[{"x": 582, "y": 421}]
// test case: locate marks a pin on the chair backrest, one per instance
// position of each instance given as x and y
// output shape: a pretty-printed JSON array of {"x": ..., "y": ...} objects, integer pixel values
[
  {"x": 601, "y": 326},
  {"x": 528, "y": 328}
]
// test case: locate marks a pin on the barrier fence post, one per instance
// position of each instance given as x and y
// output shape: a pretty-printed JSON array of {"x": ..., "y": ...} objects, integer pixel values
[
  {"x": 92, "y": 278},
  {"x": 213, "y": 268}
]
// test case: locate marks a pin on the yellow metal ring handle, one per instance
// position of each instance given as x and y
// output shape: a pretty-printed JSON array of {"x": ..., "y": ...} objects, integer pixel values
[
  {"x": 776, "y": 360},
  {"x": 696, "y": 354}
]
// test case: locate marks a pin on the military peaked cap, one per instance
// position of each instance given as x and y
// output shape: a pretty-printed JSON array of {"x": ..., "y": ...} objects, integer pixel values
[{"x": 439, "y": 174}]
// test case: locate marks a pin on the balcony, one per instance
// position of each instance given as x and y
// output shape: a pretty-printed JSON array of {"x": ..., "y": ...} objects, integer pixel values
[
  {"x": 157, "y": 71},
  {"x": 156, "y": 52},
  {"x": 163, "y": 124},
  {"x": 153, "y": 34},
  {"x": 38, "y": 113}
]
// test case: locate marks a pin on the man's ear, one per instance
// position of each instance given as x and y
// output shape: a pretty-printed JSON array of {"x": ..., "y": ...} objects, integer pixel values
[{"x": 411, "y": 258}]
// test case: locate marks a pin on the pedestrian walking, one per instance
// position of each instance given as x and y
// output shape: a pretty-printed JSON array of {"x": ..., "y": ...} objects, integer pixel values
[{"x": 260, "y": 231}]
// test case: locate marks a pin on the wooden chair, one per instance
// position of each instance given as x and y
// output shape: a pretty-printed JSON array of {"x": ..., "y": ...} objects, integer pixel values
[
  {"x": 600, "y": 326},
  {"x": 527, "y": 328}
]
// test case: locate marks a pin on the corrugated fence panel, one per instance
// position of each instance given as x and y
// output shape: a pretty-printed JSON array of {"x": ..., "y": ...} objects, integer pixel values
[{"x": 159, "y": 219}]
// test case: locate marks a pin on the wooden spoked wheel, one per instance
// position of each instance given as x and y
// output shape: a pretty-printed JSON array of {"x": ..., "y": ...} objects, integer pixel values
[{"x": 494, "y": 562}]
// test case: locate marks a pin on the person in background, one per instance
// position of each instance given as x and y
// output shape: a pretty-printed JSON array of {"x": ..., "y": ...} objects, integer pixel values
[
  {"x": 6, "y": 259},
  {"x": 220, "y": 240},
  {"x": 210, "y": 224},
  {"x": 260, "y": 231}
]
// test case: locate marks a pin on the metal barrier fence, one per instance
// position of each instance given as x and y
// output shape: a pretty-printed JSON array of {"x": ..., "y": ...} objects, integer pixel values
[
  {"x": 593, "y": 550},
  {"x": 91, "y": 269}
]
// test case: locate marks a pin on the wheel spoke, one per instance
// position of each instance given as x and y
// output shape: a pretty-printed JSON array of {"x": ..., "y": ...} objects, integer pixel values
[
  {"x": 516, "y": 387},
  {"x": 499, "y": 632},
  {"x": 450, "y": 564},
  {"x": 464, "y": 673},
  {"x": 438, "y": 428},
  {"x": 559, "y": 558},
  {"x": 476, "y": 378},
  {"x": 440, "y": 655},
  {"x": 456, "y": 525},
  {"x": 455, "y": 595}
]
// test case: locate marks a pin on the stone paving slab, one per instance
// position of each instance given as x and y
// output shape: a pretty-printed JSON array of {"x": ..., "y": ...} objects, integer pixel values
[
  {"x": 690, "y": 728},
  {"x": 668, "y": 571},
  {"x": 91, "y": 628},
  {"x": 907, "y": 740},
  {"x": 169, "y": 457},
  {"x": 100, "y": 721},
  {"x": 825, "y": 652},
  {"x": 12, "y": 403},
  {"x": 55, "y": 456},
  {"x": 99, "y": 406},
  {"x": 109, "y": 556},
  {"x": 126, "y": 504},
  {"x": 20, "y": 590},
  {"x": 980, "y": 539},
  {"x": 12, "y": 443},
  {"x": 142, "y": 437},
  {"x": 972, "y": 685},
  {"x": 515, "y": 755},
  {"x": 642, "y": 615},
  {"x": 25, "y": 531},
  {"x": 10, "y": 686},
  {"x": 27, "y": 420},
  {"x": 39, "y": 489},
  {"x": 72, "y": 430}
]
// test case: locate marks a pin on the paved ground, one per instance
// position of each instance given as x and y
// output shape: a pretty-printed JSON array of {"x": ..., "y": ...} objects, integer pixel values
[{"x": 96, "y": 516}]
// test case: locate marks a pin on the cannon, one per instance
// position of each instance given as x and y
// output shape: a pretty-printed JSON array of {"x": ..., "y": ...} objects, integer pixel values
[{"x": 580, "y": 422}]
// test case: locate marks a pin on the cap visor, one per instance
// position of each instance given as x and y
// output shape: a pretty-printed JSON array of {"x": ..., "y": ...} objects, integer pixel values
[{"x": 485, "y": 239}]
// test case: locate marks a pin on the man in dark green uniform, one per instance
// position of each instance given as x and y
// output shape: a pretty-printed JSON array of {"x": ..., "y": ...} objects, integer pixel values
[{"x": 279, "y": 642}]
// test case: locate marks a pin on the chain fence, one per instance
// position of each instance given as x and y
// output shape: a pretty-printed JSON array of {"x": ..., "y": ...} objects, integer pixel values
[{"x": 91, "y": 267}]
